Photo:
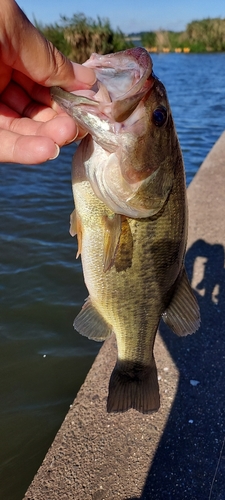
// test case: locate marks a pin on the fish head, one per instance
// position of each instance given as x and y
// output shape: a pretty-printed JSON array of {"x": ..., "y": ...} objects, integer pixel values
[{"x": 132, "y": 163}]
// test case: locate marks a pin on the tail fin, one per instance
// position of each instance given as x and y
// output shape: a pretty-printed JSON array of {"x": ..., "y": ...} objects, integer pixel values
[{"x": 135, "y": 386}]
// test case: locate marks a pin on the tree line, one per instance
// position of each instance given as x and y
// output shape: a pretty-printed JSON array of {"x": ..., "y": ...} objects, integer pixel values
[
  {"x": 78, "y": 37},
  {"x": 207, "y": 35}
]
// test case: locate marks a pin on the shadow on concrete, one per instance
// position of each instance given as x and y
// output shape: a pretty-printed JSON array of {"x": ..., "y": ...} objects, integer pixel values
[{"x": 190, "y": 460}]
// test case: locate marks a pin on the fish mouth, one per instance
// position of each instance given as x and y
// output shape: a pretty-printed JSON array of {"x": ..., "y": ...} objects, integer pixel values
[
  {"x": 123, "y": 79},
  {"x": 129, "y": 71}
]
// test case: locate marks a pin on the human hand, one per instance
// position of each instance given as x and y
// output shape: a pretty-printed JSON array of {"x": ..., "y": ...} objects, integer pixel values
[{"x": 32, "y": 127}]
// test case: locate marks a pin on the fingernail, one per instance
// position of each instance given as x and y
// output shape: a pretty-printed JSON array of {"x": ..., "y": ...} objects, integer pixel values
[
  {"x": 81, "y": 135},
  {"x": 57, "y": 151},
  {"x": 71, "y": 140},
  {"x": 84, "y": 74}
]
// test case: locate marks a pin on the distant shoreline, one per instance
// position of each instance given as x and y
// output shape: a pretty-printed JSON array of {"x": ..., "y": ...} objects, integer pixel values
[
  {"x": 79, "y": 37},
  {"x": 204, "y": 36}
]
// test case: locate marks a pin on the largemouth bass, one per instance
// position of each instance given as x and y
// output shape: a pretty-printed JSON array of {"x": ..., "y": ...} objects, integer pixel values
[{"x": 130, "y": 219}]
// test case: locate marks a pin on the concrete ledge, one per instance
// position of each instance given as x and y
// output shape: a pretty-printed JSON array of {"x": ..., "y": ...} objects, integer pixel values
[{"x": 177, "y": 453}]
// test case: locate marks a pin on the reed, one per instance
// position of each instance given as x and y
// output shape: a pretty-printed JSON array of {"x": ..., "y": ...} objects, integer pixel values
[
  {"x": 78, "y": 37},
  {"x": 207, "y": 35}
]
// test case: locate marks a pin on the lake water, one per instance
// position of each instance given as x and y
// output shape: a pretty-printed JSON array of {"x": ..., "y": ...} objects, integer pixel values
[{"x": 43, "y": 361}]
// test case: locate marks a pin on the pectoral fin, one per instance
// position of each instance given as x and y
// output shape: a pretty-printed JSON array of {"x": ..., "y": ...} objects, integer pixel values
[
  {"x": 112, "y": 232},
  {"x": 91, "y": 324},
  {"x": 73, "y": 223},
  {"x": 75, "y": 229},
  {"x": 182, "y": 314}
]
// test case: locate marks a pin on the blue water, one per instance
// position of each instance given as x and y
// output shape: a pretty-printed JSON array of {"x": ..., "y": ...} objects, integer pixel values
[
  {"x": 42, "y": 360},
  {"x": 195, "y": 85}
]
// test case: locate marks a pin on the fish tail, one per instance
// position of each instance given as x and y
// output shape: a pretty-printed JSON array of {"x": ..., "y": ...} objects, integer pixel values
[{"x": 135, "y": 386}]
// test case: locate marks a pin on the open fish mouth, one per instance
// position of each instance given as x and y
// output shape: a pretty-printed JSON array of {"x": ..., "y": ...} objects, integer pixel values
[{"x": 122, "y": 81}]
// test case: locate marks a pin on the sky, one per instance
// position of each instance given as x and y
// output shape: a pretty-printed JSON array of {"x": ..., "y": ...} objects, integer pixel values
[{"x": 130, "y": 16}]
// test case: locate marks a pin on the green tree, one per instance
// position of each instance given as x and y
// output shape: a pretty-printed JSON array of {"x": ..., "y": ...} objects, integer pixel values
[
  {"x": 148, "y": 39},
  {"x": 78, "y": 37},
  {"x": 206, "y": 35}
]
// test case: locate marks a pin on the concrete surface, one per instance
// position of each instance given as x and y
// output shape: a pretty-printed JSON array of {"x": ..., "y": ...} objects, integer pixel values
[{"x": 179, "y": 452}]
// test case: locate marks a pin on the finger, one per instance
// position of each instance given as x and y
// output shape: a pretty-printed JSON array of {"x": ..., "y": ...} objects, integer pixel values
[
  {"x": 26, "y": 149},
  {"x": 61, "y": 128},
  {"x": 5, "y": 76},
  {"x": 36, "y": 57},
  {"x": 33, "y": 89},
  {"x": 82, "y": 76},
  {"x": 40, "y": 93},
  {"x": 16, "y": 98}
]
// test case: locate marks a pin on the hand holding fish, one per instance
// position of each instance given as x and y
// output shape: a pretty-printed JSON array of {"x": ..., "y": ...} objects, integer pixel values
[{"x": 32, "y": 127}]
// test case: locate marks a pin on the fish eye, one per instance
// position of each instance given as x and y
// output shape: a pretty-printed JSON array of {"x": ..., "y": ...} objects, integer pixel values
[{"x": 159, "y": 116}]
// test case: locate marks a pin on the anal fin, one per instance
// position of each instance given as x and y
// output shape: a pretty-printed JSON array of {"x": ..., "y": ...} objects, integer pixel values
[
  {"x": 183, "y": 315},
  {"x": 133, "y": 386},
  {"x": 91, "y": 324}
]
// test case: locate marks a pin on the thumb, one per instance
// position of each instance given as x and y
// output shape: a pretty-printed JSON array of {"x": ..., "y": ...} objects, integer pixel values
[{"x": 27, "y": 50}]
